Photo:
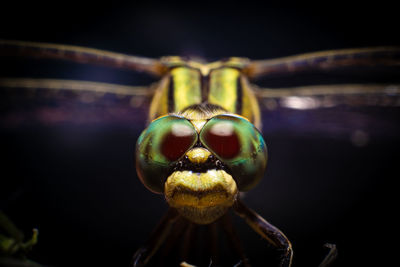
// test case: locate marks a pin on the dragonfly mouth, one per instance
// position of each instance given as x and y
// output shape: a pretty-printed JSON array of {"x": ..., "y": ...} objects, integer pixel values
[
  {"x": 211, "y": 163},
  {"x": 201, "y": 197}
]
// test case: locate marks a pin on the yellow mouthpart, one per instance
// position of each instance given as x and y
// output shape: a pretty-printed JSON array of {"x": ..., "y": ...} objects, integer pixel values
[
  {"x": 198, "y": 155},
  {"x": 201, "y": 197}
]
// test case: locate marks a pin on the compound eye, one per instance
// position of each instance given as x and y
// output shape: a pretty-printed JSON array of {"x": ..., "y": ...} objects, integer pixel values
[
  {"x": 177, "y": 141},
  {"x": 239, "y": 146},
  {"x": 222, "y": 138},
  {"x": 163, "y": 142},
  {"x": 166, "y": 140}
]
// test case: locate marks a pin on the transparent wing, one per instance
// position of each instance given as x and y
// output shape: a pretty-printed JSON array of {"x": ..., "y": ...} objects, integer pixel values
[
  {"x": 320, "y": 96},
  {"x": 81, "y": 55},
  {"x": 331, "y": 90},
  {"x": 356, "y": 112},
  {"x": 51, "y": 101},
  {"x": 56, "y": 101},
  {"x": 325, "y": 60},
  {"x": 79, "y": 86}
]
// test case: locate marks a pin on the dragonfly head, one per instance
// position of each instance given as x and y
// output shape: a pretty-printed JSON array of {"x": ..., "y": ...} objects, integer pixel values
[{"x": 201, "y": 169}]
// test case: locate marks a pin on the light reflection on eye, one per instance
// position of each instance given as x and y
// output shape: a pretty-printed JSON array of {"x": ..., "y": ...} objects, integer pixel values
[
  {"x": 181, "y": 130},
  {"x": 222, "y": 129},
  {"x": 222, "y": 139}
]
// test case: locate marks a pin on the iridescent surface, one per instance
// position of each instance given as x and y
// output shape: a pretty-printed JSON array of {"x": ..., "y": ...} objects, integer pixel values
[
  {"x": 248, "y": 159},
  {"x": 70, "y": 163},
  {"x": 163, "y": 142}
]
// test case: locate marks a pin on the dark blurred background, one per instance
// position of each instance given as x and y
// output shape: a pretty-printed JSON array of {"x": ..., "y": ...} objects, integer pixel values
[{"x": 76, "y": 182}]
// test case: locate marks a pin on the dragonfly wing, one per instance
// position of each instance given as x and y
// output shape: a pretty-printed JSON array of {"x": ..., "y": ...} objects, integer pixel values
[
  {"x": 325, "y": 61},
  {"x": 81, "y": 55},
  {"x": 352, "y": 111},
  {"x": 51, "y": 101}
]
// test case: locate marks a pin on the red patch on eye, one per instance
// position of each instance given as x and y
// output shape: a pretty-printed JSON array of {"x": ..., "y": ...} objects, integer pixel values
[
  {"x": 223, "y": 140},
  {"x": 177, "y": 142}
]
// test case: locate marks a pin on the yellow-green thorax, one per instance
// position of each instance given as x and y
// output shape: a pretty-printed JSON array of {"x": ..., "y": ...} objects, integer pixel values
[{"x": 220, "y": 83}]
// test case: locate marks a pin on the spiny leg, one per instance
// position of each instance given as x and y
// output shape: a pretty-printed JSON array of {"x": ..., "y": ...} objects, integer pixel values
[
  {"x": 330, "y": 257},
  {"x": 212, "y": 239},
  {"x": 187, "y": 241},
  {"x": 177, "y": 231},
  {"x": 144, "y": 254},
  {"x": 269, "y": 232},
  {"x": 226, "y": 222}
]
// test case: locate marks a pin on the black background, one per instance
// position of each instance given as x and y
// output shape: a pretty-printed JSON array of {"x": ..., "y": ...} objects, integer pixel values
[{"x": 77, "y": 183}]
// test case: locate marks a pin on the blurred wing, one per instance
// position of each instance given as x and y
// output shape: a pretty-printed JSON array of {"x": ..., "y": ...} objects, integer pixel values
[
  {"x": 332, "y": 95},
  {"x": 325, "y": 61},
  {"x": 49, "y": 101},
  {"x": 356, "y": 112},
  {"x": 81, "y": 55}
]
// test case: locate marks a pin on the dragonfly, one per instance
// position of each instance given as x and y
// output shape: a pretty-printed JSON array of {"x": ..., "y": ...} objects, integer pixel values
[{"x": 203, "y": 144}]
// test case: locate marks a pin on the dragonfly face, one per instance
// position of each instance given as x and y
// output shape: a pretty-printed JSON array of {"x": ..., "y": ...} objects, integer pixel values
[
  {"x": 201, "y": 172},
  {"x": 202, "y": 155},
  {"x": 203, "y": 145}
]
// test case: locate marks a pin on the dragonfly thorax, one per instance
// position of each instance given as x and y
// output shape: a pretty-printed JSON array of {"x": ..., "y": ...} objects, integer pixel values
[{"x": 222, "y": 84}]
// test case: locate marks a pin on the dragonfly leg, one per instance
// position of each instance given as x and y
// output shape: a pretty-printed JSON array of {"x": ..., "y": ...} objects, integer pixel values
[
  {"x": 226, "y": 222},
  {"x": 160, "y": 233},
  {"x": 269, "y": 232},
  {"x": 212, "y": 239},
  {"x": 188, "y": 241},
  {"x": 179, "y": 226},
  {"x": 330, "y": 257}
]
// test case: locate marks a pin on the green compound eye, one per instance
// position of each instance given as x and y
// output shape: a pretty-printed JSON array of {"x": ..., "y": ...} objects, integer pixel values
[
  {"x": 239, "y": 145},
  {"x": 165, "y": 141}
]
